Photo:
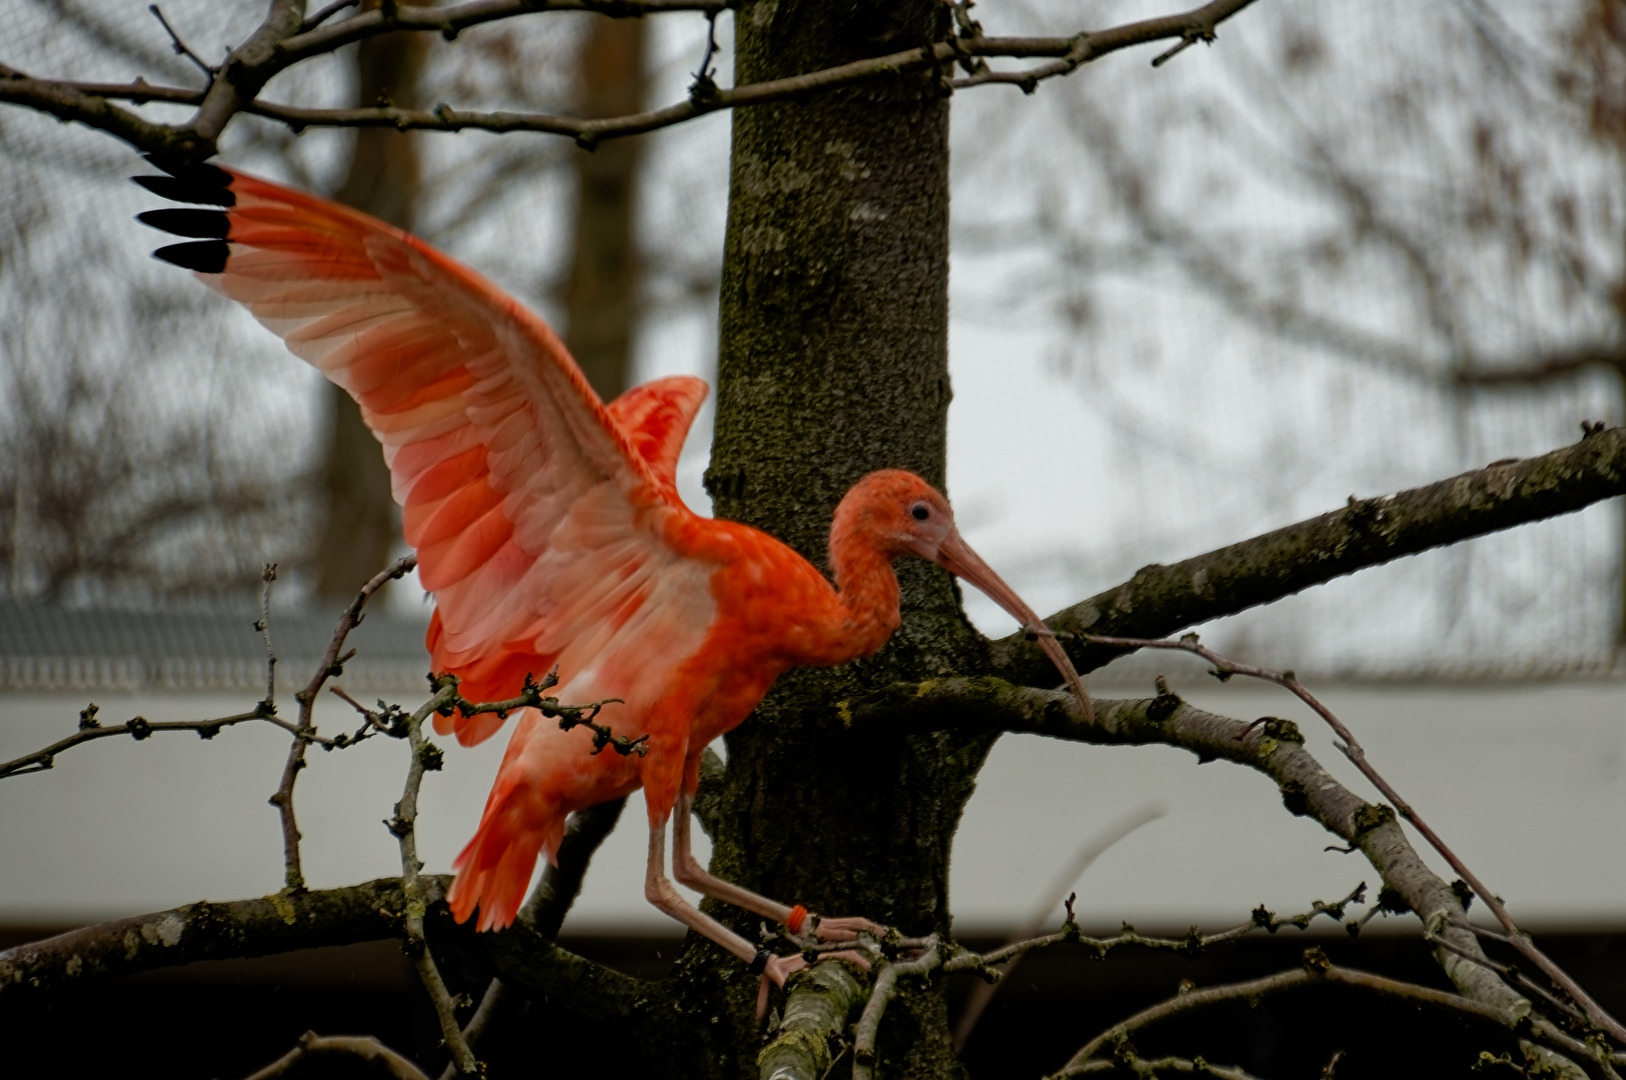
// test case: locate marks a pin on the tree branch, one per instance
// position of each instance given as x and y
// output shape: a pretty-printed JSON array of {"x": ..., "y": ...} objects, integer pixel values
[
  {"x": 1352, "y": 749},
  {"x": 1318, "y": 972},
  {"x": 278, "y": 44},
  {"x": 331, "y": 664},
  {"x": 356, "y": 1047},
  {"x": 501, "y": 1006},
  {"x": 95, "y": 109},
  {"x": 1548, "y": 368},
  {"x": 451, "y": 19},
  {"x": 426, "y": 757},
  {"x": 284, "y": 922},
  {"x": 1160, "y": 600},
  {"x": 1275, "y": 748},
  {"x": 137, "y": 728},
  {"x": 817, "y": 1004}
]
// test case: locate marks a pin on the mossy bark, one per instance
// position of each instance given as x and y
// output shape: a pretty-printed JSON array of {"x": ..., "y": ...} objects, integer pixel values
[{"x": 834, "y": 362}]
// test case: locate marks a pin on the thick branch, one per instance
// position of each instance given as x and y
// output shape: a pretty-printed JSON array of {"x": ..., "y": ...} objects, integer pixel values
[
  {"x": 1274, "y": 748},
  {"x": 817, "y": 1005},
  {"x": 501, "y": 1007},
  {"x": 249, "y": 67},
  {"x": 285, "y": 922},
  {"x": 1159, "y": 600},
  {"x": 1352, "y": 749},
  {"x": 89, "y": 106}
]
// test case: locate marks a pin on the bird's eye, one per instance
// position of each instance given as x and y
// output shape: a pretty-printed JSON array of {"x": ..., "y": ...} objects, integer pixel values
[{"x": 920, "y": 511}]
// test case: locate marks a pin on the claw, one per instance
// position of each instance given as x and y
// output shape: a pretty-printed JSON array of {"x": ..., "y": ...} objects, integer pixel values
[
  {"x": 780, "y": 968},
  {"x": 848, "y": 929}
]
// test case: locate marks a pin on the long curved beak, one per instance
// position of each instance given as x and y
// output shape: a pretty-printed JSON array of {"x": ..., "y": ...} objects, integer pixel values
[{"x": 956, "y": 556}]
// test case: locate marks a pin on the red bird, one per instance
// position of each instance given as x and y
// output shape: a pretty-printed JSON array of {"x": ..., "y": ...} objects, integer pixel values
[{"x": 549, "y": 527}]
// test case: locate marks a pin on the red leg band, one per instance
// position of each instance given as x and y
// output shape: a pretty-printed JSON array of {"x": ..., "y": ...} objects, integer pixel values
[{"x": 795, "y": 919}]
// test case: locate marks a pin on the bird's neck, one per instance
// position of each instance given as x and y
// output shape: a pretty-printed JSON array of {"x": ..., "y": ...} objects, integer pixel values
[{"x": 867, "y": 589}]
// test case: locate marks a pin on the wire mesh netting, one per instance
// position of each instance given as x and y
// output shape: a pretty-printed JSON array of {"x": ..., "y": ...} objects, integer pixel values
[{"x": 1191, "y": 304}]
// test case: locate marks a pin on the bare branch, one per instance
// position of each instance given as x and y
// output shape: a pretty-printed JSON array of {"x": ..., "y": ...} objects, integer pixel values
[
  {"x": 246, "y": 70},
  {"x": 330, "y": 665},
  {"x": 268, "y": 574},
  {"x": 66, "y": 101},
  {"x": 1124, "y": 1059},
  {"x": 1092, "y": 849},
  {"x": 180, "y": 47},
  {"x": 886, "y": 988},
  {"x": 426, "y": 757},
  {"x": 1352, "y": 749},
  {"x": 364, "y": 1048},
  {"x": 545, "y": 911},
  {"x": 138, "y": 728},
  {"x": 1564, "y": 364},
  {"x": 1368, "y": 532},
  {"x": 1275, "y": 748},
  {"x": 451, "y": 19},
  {"x": 284, "y": 922},
  {"x": 283, "y": 40},
  {"x": 1318, "y": 972},
  {"x": 817, "y": 1003}
]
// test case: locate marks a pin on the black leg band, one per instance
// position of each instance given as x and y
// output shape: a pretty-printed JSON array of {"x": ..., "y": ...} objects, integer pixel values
[{"x": 759, "y": 962}]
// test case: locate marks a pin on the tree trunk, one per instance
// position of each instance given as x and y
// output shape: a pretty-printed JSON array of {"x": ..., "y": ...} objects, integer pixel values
[
  {"x": 834, "y": 362},
  {"x": 360, "y": 527}
]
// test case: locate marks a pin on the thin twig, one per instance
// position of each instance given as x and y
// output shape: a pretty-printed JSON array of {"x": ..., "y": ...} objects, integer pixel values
[
  {"x": 1151, "y": 1067},
  {"x": 1193, "y": 944},
  {"x": 138, "y": 728},
  {"x": 284, "y": 38},
  {"x": 268, "y": 574},
  {"x": 1093, "y": 848},
  {"x": 886, "y": 988},
  {"x": 1351, "y": 748},
  {"x": 1317, "y": 971},
  {"x": 283, "y": 797},
  {"x": 368, "y": 1049},
  {"x": 324, "y": 14},
  {"x": 180, "y": 47},
  {"x": 426, "y": 756}
]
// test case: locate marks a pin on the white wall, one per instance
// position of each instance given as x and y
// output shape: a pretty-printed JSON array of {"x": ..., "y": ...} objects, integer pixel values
[{"x": 1528, "y": 781}]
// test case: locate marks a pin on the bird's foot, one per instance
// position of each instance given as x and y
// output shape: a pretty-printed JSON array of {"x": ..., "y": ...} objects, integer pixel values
[
  {"x": 777, "y": 969},
  {"x": 846, "y": 928}
]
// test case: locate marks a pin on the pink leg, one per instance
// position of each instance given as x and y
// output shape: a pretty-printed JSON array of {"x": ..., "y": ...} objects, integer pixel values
[
  {"x": 659, "y": 891},
  {"x": 687, "y": 869}
]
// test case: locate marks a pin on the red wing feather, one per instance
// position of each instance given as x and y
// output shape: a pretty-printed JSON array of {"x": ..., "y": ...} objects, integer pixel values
[{"x": 543, "y": 520}]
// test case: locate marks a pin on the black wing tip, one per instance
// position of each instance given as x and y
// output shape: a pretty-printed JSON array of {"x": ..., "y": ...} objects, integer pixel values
[
  {"x": 189, "y": 191},
  {"x": 198, "y": 174},
  {"x": 204, "y": 256},
  {"x": 196, "y": 224}
]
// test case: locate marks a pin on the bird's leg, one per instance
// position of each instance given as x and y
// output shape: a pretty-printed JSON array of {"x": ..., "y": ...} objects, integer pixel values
[
  {"x": 687, "y": 869},
  {"x": 659, "y": 891}
]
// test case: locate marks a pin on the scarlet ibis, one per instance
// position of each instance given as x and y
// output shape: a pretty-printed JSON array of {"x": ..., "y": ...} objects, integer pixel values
[{"x": 549, "y": 528}]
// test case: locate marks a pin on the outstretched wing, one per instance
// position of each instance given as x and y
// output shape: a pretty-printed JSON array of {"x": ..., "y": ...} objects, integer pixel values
[
  {"x": 655, "y": 419},
  {"x": 541, "y": 523}
]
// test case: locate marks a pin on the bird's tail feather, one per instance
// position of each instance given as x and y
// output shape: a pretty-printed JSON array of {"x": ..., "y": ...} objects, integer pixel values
[{"x": 495, "y": 867}]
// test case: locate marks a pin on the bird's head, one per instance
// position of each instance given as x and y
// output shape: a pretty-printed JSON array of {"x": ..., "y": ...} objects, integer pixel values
[{"x": 898, "y": 513}]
